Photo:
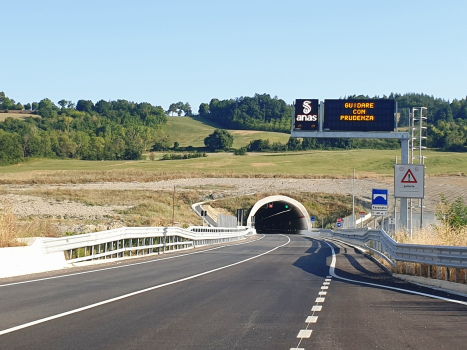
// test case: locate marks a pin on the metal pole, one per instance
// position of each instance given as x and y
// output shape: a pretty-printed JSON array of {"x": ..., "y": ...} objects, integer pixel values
[
  {"x": 353, "y": 201},
  {"x": 321, "y": 115},
  {"x": 404, "y": 204},
  {"x": 173, "y": 209}
]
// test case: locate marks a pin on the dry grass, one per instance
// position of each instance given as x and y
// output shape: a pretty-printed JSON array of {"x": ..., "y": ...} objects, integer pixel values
[
  {"x": 12, "y": 230},
  {"x": 435, "y": 235}
]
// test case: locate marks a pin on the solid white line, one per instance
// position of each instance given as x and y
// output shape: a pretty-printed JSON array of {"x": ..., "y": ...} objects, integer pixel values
[
  {"x": 333, "y": 273},
  {"x": 127, "y": 265},
  {"x": 63, "y": 314}
]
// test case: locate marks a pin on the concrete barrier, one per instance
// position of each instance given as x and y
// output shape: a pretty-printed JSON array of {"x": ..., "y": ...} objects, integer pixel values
[{"x": 18, "y": 261}]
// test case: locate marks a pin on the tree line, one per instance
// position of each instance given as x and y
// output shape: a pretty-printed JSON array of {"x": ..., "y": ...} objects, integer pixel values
[
  {"x": 446, "y": 120},
  {"x": 106, "y": 130}
]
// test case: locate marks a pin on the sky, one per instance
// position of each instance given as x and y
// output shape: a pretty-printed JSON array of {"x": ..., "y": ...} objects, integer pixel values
[{"x": 163, "y": 52}]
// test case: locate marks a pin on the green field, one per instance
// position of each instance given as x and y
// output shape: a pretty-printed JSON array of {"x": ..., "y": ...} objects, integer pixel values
[
  {"x": 189, "y": 131},
  {"x": 311, "y": 164}
]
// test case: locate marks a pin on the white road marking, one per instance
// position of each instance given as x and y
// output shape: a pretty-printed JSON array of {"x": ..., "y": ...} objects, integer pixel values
[
  {"x": 328, "y": 276},
  {"x": 326, "y": 283},
  {"x": 134, "y": 264},
  {"x": 63, "y": 314},
  {"x": 333, "y": 273},
  {"x": 327, "y": 280},
  {"x": 317, "y": 308},
  {"x": 311, "y": 319},
  {"x": 322, "y": 293},
  {"x": 324, "y": 287},
  {"x": 297, "y": 348},
  {"x": 319, "y": 300},
  {"x": 304, "y": 333},
  {"x": 319, "y": 247}
]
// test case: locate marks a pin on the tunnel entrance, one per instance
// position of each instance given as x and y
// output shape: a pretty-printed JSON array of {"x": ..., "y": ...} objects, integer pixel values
[{"x": 278, "y": 214}]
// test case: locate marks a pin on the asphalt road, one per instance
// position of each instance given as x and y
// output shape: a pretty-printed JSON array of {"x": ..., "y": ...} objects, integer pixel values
[{"x": 255, "y": 295}]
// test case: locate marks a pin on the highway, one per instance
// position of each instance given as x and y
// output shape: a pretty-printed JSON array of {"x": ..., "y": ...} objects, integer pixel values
[{"x": 250, "y": 295}]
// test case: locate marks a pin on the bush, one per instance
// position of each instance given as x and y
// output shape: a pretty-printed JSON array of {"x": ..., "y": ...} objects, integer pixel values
[
  {"x": 240, "y": 152},
  {"x": 174, "y": 156}
]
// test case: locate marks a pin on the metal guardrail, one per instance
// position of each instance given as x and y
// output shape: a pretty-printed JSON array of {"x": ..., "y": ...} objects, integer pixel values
[
  {"x": 131, "y": 241},
  {"x": 386, "y": 246}
]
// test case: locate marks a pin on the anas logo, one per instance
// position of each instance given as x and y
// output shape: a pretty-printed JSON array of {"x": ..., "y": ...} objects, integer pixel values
[{"x": 307, "y": 107}]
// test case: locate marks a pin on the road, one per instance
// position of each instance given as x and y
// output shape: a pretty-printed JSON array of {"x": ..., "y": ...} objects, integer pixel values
[{"x": 254, "y": 295}]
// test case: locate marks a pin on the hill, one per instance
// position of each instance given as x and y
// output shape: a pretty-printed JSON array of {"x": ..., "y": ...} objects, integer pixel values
[{"x": 191, "y": 131}]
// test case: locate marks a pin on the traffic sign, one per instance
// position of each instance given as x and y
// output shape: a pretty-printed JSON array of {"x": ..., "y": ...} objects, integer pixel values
[
  {"x": 339, "y": 224},
  {"x": 409, "y": 181},
  {"x": 379, "y": 213},
  {"x": 313, "y": 218},
  {"x": 362, "y": 214},
  {"x": 380, "y": 197},
  {"x": 340, "y": 220}
]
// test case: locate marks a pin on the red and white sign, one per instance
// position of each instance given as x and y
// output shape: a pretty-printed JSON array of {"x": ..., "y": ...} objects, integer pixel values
[
  {"x": 362, "y": 214},
  {"x": 340, "y": 220},
  {"x": 409, "y": 181}
]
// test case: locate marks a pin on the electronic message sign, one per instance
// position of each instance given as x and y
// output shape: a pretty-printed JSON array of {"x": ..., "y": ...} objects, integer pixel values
[
  {"x": 359, "y": 115},
  {"x": 306, "y": 114}
]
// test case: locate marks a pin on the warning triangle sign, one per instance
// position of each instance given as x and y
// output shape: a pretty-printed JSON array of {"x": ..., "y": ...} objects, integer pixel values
[{"x": 409, "y": 178}]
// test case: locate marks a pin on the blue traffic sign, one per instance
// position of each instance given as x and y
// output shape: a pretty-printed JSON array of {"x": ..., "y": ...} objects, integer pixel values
[
  {"x": 339, "y": 224},
  {"x": 380, "y": 197},
  {"x": 313, "y": 218}
]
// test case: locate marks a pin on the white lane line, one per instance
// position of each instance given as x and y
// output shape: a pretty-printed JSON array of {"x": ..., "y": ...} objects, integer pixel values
[
  {"x": 319, "y": 300},
  {"x": 324, "y": 287},
  {"x": 319, "y": 247},
  {"x": 322, "y": 293},
  {"x": 134, "y": 264},
  {"x": 63, "y": 314},
  {"x": 326, "y": 283},
  {"x": 311, "y": 319},
  {"x": 304, "y": 333},
  {"x": 317, "y": 308},
  {"x": 333, "y": 273},
  {"x": 297, "y": 348},
  {"x": 327, "y": 280}
]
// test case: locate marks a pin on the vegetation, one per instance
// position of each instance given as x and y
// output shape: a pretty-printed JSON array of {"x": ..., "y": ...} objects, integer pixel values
[
  {"x": 172, "y": 156},
  {"x": 219, "y": 140},
  {"x": 107, "y": 130}
]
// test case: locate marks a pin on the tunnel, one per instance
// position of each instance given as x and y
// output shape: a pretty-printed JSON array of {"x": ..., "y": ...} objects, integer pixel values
[{"x": 279, "y": 214}]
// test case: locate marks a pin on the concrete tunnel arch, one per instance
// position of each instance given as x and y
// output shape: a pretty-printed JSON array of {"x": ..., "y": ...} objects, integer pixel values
[{"x": 284, "y": 199}]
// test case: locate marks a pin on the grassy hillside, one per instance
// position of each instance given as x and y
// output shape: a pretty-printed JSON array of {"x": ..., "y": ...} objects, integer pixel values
[
  {"x": 189, "y": 131},
  {"x": 368, "y": 163},
  {"x": 16, "y": 115}
]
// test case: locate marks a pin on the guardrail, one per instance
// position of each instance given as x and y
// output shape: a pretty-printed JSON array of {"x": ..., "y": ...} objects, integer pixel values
[
  {"x": 131, "y": 241},
  {"x": 435, "y": 260}
]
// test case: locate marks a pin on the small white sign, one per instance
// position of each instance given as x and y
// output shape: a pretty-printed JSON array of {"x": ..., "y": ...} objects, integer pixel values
[
  {"x": 409, "y": 181},
  {"x": 379, "y": 213},
  {"x": 379, "y": 207},
  {"x": 392, "y": 221}
]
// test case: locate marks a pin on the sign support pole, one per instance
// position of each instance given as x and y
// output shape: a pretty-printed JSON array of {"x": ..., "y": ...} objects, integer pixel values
[{"x": 404, "y": 204}]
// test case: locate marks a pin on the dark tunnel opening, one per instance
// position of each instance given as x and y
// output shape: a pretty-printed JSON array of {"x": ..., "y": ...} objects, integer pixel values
[{"x": 279, "y": 217}]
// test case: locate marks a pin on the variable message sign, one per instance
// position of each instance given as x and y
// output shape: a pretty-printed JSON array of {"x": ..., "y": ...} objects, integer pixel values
[
  {"x": 359, "y": 115},
  {"x": 306, "y": 114}
]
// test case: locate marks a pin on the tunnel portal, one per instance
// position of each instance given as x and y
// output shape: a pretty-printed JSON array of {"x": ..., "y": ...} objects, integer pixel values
[{"x": 279, "y": 214}]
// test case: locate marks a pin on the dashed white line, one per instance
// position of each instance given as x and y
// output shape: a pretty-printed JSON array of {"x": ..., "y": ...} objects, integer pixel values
[
  {"x": 319, "y": 300},
  {"x": 304, "y": 333},
  {"x": 317, "y": 308},
  {"x": 311, "y": 319}
]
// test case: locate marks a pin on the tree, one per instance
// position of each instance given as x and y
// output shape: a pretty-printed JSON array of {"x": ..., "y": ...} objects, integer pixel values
[
  {"x": 203, "y": 109},
  {"x": 85, "y": 106},
  {"x": 35, "y": 106},
  {"x": 27, "y": 107},
  {"x": 172, "y": 109},
  {"x": 219, "y": 140},
  {"x": 71, "y": 105},
  {"x": 62, "y": 103},
  {"x": 294, "y": 144}
]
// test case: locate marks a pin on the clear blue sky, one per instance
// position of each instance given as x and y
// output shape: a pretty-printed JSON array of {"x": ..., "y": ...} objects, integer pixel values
[{"x": 192, "y": 51}]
